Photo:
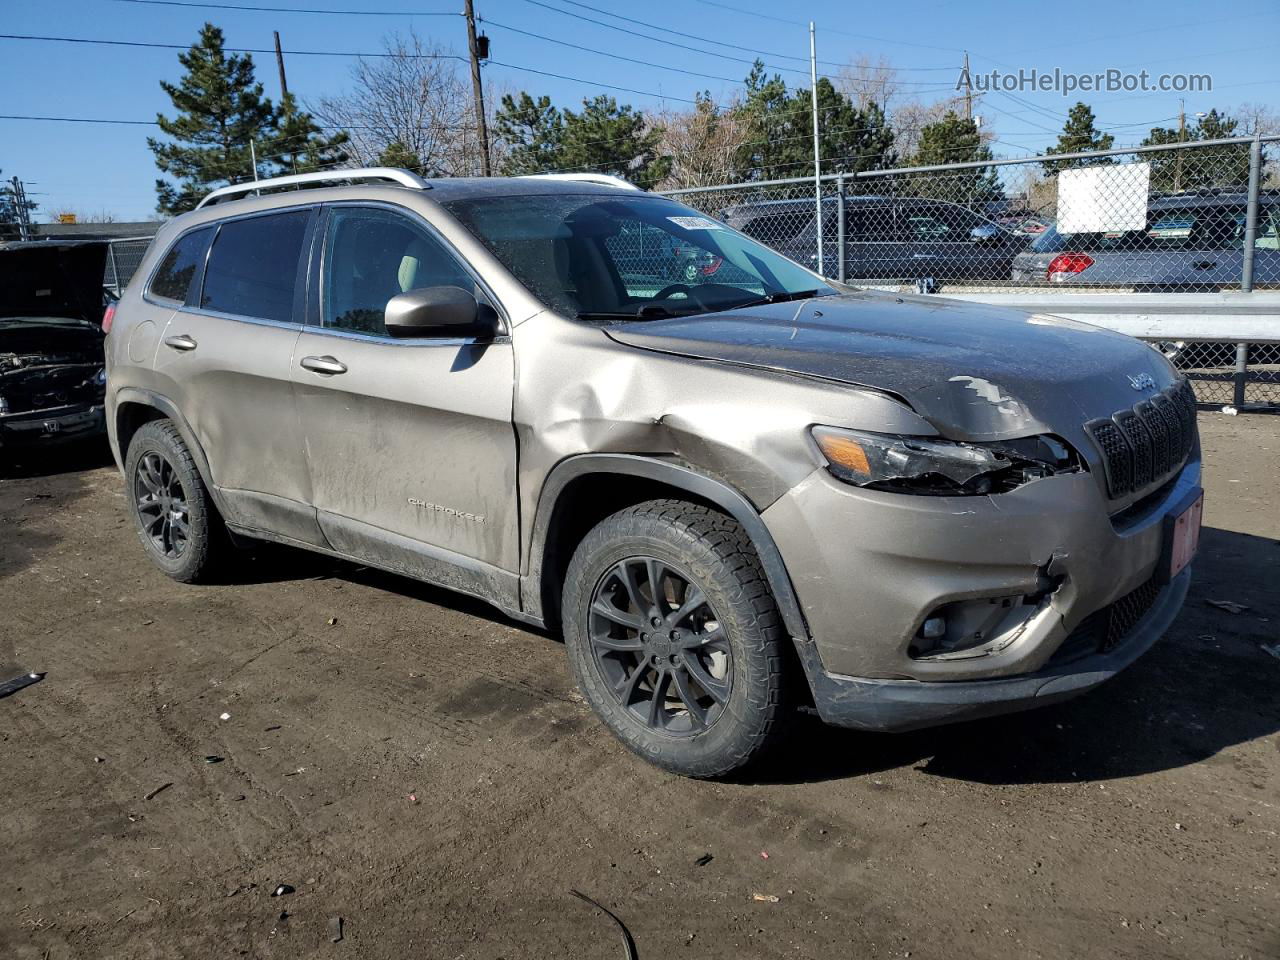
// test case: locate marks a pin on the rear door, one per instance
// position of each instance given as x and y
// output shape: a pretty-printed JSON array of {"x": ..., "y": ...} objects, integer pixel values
[
  {"x": 227, "y": 354},
  {"x": 410, "y": 442}
]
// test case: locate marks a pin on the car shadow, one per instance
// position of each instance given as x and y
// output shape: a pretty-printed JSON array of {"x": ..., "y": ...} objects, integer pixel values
[
  {"x": 265, "y": 562},
  {"x": 1205, "y": 687}
]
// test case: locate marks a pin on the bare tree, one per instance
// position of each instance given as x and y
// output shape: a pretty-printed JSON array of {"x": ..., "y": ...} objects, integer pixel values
[
  {"x": 704, "y": 144},
  {"x": 909, "y": 118},
  {"x": 81, "y": 216},
  {"x": 868, "y": 82},
  {"x": 417, "y": 98}
]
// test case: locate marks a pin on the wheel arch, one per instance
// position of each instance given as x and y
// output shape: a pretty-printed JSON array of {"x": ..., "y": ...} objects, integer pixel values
[
  {"x": 582, "y": 490},
  {"x": 135, "y": 407}
]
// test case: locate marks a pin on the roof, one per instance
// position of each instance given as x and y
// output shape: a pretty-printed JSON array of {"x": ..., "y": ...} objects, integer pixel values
[{"x": 97, "y": 231}]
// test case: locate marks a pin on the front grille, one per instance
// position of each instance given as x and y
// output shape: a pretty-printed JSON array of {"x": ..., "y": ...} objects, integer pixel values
[
  {"x": 1105, "y": 629},
  {"x": 1143, "y": 445}
]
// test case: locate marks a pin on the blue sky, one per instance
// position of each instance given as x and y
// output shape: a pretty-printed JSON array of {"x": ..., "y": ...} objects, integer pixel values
[{"x": 92, "y": 167}]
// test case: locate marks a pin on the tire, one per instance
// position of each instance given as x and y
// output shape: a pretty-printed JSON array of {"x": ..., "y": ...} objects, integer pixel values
[
  {"x": 722, "y": 701},
  {"x": 170, "y": 506}
]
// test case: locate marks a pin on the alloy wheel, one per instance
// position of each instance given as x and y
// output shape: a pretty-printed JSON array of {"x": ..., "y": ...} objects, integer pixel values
[
  {"x": 162, "y": 506},
  {"x": 660, "y": 646}
]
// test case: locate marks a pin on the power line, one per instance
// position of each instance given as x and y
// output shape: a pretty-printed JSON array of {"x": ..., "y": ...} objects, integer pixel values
[
  {"x": 701, "y": 50},
  {"x": 844, "y": 33},
  {"x": 186, "y": 46},
  {"x": 615, "y": 56},
  {"x": 334, "y": 53},
  {"x": 258, "y": 9}
]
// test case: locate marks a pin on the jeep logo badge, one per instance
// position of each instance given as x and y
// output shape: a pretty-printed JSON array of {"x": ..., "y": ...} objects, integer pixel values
[{"x": 1142, "y": 381}]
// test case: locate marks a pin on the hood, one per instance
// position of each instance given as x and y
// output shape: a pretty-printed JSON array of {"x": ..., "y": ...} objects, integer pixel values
[
  {"x": 973, "y": 371},
  {"x": 44, "y": 279}
]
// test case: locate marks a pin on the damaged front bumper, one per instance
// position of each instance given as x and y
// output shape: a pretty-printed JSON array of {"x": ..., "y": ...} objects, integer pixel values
[
  {"x": 898, "y": 705},
  {"x": 1049, "y": 594},
  {"x": 55, "y": 425}
]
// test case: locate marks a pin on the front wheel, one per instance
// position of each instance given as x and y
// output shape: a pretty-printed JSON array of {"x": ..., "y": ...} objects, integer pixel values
[{"x": 674, "y": 637}]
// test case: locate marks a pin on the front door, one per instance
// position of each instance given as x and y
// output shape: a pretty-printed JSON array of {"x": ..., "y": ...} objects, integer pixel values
[{"x": 410, "y": 442}]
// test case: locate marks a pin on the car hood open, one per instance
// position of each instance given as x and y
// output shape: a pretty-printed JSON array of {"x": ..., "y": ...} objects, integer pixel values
[
  {"x": 48, "y": 279},
  {"x": 975, "y": 372}
]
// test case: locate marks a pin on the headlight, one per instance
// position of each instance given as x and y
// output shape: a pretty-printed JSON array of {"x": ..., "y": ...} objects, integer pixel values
[
  {"x": 930, "y": 466},
  {"x": 100, "y": 378},
  {"x": 4, "y": 405}
]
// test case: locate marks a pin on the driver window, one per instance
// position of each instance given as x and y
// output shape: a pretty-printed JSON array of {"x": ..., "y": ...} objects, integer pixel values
[{"x": 373, "y": 255}]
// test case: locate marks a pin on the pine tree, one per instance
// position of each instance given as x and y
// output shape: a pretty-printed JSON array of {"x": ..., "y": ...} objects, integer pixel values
[
  {"x": 1176, "y": 171},
  {"x": 398, "y": 154},
  {"x": 533, "y": 132},
  {"x": 954, "y": 140},
  {"x": 607, "y": 138},
  {"x": 299, "y": 145},
  {"x": 781, "y": 127},
  {"x": 1079, "y": 134},
  {"x": 220, "y": 110}
]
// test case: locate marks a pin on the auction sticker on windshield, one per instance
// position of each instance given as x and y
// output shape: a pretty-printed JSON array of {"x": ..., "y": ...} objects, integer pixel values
[{"x": 695, "y": 223}]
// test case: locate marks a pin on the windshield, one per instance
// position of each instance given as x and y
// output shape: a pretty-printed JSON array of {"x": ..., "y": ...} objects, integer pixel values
[{"x": 601, "y": 258}]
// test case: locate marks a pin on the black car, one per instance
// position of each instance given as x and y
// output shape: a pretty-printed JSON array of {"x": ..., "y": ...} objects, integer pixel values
[
  {"x": 52, "y": 375},
  {"x": 886, "y": 238}
]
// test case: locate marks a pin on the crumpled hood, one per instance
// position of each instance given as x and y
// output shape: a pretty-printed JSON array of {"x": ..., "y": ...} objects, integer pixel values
[
  {"x": 48, "y": 279},
  {"x": 975, "y": 372}
]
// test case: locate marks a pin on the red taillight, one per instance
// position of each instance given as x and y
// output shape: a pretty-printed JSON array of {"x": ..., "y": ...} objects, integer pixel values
[
  {"x": 108, "y": 315},
  {"x": 1065, "y": 263}
]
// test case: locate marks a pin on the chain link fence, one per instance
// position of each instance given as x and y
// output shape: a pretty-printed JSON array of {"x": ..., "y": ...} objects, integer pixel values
[
  {"x": 123, "y": 259},
  {"x": 1188, "y": 218}
]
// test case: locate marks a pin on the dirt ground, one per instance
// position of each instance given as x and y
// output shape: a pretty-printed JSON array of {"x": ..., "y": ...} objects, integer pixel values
[{"x": 1139, "y": 821}]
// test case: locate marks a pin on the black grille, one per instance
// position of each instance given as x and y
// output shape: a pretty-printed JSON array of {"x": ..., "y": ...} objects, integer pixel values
[
  {"x": 1105, "y": 629},
  {"x": 1144, "y": 445}
]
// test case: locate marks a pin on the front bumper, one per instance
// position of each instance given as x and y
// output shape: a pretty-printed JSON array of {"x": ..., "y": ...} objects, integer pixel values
[
  {"x": 898, "y": 705},
  {"x": 870, "y": 567},
  {"x": 55, "y": 425}
]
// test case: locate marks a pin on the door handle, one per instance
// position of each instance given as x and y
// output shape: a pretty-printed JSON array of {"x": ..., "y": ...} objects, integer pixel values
[
  {"x": 326, "y": 365},
  {"x": 180, "y": 342}
]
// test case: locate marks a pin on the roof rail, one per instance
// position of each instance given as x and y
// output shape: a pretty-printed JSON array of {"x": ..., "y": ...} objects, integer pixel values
[
  {"x": 604, "y": 179},
  {"x": 393, "y": 174}
]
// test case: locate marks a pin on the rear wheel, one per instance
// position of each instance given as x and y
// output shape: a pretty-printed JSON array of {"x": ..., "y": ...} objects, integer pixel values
[
  {"x": 171, "y": 508},
  {"x": 675, "y": 638}
]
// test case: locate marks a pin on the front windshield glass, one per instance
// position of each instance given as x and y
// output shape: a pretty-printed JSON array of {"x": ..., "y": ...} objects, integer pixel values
[{"x": 602, "y": 258}]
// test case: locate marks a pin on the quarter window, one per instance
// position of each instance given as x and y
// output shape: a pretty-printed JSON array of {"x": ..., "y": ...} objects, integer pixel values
[
  {"x": 253, "y": 267},
  {"x": 180, "y": 266},
  {"x": 374, "y": 255}
]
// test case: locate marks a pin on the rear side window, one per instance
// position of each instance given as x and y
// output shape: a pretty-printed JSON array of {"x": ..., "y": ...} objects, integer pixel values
[
  {"x": 172, "y": 281},
  {"x": 253, "y": 267}
]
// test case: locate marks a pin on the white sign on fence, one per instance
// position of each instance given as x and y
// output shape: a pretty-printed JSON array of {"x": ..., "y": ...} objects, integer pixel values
[{"x": 1103, "y": 199}]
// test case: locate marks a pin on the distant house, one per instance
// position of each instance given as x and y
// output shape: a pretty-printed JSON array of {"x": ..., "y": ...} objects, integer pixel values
[{"x": 96, "y": 231}]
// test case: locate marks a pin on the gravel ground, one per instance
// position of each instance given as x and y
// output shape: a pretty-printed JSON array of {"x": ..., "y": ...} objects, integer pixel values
[{"x": 415, "y": 764}]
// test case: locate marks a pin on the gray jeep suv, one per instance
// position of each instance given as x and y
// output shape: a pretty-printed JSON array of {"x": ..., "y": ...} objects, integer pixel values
[{"x": 735, "y": 496}]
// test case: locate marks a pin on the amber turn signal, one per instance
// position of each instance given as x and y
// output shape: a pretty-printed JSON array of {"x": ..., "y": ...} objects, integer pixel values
[{"x": 844, "y": 451}]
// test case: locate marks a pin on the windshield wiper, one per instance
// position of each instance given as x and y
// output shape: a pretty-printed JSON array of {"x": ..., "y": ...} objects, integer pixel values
[
  {"x": 649, "y": 311},
  {"x": 781, "y": 296}
]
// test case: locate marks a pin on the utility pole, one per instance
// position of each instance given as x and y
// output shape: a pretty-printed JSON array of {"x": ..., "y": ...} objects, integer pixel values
[
  {"x": 284, "y": 86},
  {"x": 18, "y": 196},
  {"x": 817, "y": 151},
  {"x": 968, "y": 89},
  {"x": 481, "y": 123},
  {"x": 1182, "y": 138}
]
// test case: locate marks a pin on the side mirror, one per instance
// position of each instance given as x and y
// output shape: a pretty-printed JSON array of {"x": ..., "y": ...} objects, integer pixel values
[
  {"x": 439, "y": 312},
  {"x": 984, "y": 233}
]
